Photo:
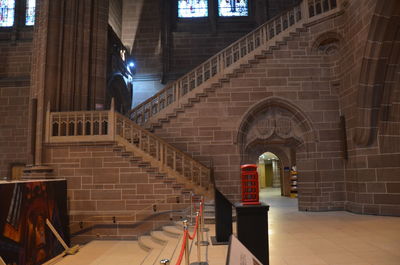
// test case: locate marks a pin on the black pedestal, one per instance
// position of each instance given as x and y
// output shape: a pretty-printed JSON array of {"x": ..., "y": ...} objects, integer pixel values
[
  {"x": 252, "y": 229},
  {"x": 223, "y": 219}
]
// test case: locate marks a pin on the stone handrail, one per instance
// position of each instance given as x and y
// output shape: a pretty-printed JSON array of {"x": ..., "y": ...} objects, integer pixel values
[
  {"x": 96, "y": 126},
  {"x": 226, "y": 60}
]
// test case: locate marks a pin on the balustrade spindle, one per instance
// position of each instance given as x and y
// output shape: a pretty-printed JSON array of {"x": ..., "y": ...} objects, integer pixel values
[
  {"x": 157, "y": 151},
  {"x": 160, "y": 149},
  {"x": 183, "y": 166},
  {"x": 191, "y": 171},
  {"x": 140, "y": 140},
  {"x": 91, "y": 123},
  {"x": 174, "y": 159},
  {"x": 148, "y": 144},
  {"x": 200, "y": 176},
  {"x": 75, "y": 125},
  {"x": 84, "y": 124}
]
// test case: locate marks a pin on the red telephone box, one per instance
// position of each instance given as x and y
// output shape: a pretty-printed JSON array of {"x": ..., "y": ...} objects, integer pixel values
[{"x": 250, "y": 187}]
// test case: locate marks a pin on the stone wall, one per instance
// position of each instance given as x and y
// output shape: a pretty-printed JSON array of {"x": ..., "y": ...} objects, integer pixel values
[
  {"x": 286, "y": 98},
  {"x": 189, "y": 49},
  {"x": 141, "y": 34},
  {"x": 372, "y": 175},
  {"x": 164, "y": 47},
  {"x": 343, "y": 66},
  {"x": 16, "y": 52},
  {"x": 115, "y": 16},
  {"x": 104, "y": 182},
  {"x": 14, "y": 102}
]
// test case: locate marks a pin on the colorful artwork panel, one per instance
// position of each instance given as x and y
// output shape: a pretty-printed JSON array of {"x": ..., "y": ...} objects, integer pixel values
[{"x": 25, "y": 238}]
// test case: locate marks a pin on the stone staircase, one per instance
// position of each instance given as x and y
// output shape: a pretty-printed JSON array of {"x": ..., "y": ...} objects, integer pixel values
[
  {"x": 149, "y": 249},
  {"x": 229, "y": 63},
  {"x": 108, "y": 204},
  {"x": 157, "y": 122},
  {"x": 164, "y": 244},
  {"x": 179, "y": 199}
]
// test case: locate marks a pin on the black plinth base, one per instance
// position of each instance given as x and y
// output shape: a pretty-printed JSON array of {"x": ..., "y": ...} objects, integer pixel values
[
  {"x": 252, "y": 229},
  {"x": 214, "y": 241}
]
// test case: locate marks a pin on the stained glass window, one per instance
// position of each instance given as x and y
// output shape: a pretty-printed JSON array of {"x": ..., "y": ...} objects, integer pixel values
[
  {"x": 30, "y": 12},
  {"x": 233, "y": 8},
  {"x": 192, "y": 8},
  {"x": 7, "y": 8}
]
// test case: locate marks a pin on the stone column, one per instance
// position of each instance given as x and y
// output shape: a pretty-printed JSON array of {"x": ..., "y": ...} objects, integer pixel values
[{"x": 69, "y": 58}]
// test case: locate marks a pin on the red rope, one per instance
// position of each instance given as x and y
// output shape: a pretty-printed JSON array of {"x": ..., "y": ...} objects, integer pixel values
[
  {"x": 195, "y": 229},
  {"x": 178, "y": 262},
  {"x": 187, "y": 235}
]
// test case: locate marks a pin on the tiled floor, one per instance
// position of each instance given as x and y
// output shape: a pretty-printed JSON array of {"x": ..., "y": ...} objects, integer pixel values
[
  {"x": 334, "y": 238},
  {"x": 324, "y": 238},
  {"x": 295, "y": 238}
]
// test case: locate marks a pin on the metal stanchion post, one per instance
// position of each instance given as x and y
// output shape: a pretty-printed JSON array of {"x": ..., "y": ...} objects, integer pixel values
[
  {"x": 201, "y": 220},
  {"x": 198, "y": 238},
  {"x": 191, "y": 206},
  {"x": 185, "y": 227},
  {"x": 165, "y": 261},
  {"x": 203, "y": 228},
  {"x": 202, "y": 216}
]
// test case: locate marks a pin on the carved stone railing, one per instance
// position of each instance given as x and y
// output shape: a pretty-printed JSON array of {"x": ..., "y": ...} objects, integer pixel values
[
  {"x": 225, "y": 61},
  {"x": 96, "y": 126}
]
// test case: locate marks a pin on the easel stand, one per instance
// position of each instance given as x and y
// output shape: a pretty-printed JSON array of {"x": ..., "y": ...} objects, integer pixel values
[{"x": 68, "y": 250}]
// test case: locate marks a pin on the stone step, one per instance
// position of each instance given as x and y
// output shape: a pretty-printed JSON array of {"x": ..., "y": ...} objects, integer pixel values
[
  {"x": 171, "y": 245},
  {"x": 107, "y": 252},
  {"x": 147, "y": 243},
  {"x": 172, "y": 231}
]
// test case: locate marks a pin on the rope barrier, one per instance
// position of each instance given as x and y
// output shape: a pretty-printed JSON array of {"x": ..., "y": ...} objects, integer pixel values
[
  {"x": 178, "y": 262},
  {"x": 195, "y": 229},
  {"x": 186, "y": 236}
]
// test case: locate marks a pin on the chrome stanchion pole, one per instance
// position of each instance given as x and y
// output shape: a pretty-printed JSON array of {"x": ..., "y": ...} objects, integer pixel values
[
  {"x": 165, "y": 261},
  {"x": 201, "y": 220},
  {"x": 185, "y": 228},
  {"x": 202, "y": 214},
  {"x": 198, "y": 231},
  {"x": 202, "y": 228},
  {"x": 191, "y": 206}
]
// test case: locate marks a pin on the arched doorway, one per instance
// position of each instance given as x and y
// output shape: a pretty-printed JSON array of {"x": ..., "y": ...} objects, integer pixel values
[
  {"x": 269, "y": 171},
  {"x": 274, "y": 176},
  {"x": 277, "y": 126}
]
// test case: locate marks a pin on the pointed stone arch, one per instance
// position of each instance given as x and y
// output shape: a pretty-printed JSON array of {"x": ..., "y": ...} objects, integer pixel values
[
  {"x": 275, "y": 124},
  {"x": 328, "y": 43},
  {"x": 275, "y": 118}
]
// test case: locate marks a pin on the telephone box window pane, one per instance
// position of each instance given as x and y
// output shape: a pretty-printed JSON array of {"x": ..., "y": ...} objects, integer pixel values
[
  {"x": 7, "y": 8},
  {"x": 30, "y": 12},
  {"x": 192, "y": 8},
  {"x": 233, "y": 8}
]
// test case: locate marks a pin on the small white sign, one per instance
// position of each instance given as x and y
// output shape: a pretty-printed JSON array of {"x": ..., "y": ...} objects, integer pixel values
[{"x": 238, "y": 254}]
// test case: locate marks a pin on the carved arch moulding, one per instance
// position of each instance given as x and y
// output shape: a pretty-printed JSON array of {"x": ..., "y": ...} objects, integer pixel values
[
  {"x": 328, "y": 43},
  {"x": 274, "y": 120}
]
